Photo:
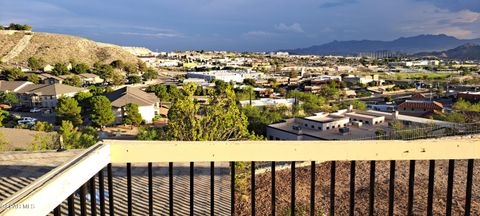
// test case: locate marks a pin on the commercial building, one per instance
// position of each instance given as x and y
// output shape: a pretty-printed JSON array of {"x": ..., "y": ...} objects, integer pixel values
[{"x": 344, "y": 124}]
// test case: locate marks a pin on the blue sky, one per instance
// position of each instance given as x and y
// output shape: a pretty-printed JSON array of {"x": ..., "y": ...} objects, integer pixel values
[{"x": 244, "y": 25}]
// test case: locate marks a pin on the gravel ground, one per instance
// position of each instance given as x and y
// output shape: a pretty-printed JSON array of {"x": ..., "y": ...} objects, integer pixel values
[{"x": 322, "y": 189}]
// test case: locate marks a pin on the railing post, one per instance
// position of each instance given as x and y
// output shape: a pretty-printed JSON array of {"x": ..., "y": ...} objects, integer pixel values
[
  {"x": 232, "y": 188},
  {"x": 110, "y": 191}
]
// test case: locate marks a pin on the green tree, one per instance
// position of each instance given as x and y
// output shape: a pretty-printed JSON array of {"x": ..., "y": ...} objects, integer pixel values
[
  {"x": 83, "y": 99},
  {"x": 42, "y": 126},
  {"x": 80, "y": 68},
  {"x": 102, "y": 113},
  {"x": 68, "y": 110},
  {"x": 3, "y": 115},
  {"x": 9, "y": 98},
  {"x": 12, "y": 74},
  {"x": 149, "y": 133},
  {"x": 73, "y": 81},
  {"x": 134, "y": 79},
  {"x": 132, "y": 116},
  {"x": 130, "y": 69},
  {"x": 68, "y": 132},
  {"x": 118, "y": 64},
  {"x": 35, "y": 63},
  {"x": 34, "y": 78},
  {"x": 117, "y": 79},
  {"x": 248, "y": 81},
  {"x": 150, "y": 74},
  {"x": 60, "y": 69},
  {"x": 221, "y": 120},
  {"x": 142, "y": 66}
]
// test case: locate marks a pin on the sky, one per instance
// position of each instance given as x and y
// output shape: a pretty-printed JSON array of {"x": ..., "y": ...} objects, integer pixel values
[{"x": 244, "y": 25}]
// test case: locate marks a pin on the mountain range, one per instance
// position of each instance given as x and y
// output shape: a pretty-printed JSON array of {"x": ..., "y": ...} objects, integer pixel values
[
  {"x": 407, "y": 45},
  {"x": 465, "y": 52}
]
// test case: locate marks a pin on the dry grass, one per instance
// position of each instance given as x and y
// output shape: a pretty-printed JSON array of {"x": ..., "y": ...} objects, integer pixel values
[{"x": 54, "y": 48}]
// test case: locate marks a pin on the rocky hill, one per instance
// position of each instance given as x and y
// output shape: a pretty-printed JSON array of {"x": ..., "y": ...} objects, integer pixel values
[{"x": 16, "y": 47}]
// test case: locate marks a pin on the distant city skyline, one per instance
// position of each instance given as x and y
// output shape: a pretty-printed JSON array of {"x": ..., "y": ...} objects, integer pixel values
[{"x": 244, "y": 25}]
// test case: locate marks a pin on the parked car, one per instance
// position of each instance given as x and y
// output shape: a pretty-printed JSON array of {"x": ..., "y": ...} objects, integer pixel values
[
  {"x": 35, "y": 110},
  {"x": 27, "y": 121}
]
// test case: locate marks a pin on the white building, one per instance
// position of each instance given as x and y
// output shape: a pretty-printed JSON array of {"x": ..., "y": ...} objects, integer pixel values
[
  {"x": 288, "y": 102},
  {"x": 344, "y": 124},
  {"x": 226, "y": 76}
]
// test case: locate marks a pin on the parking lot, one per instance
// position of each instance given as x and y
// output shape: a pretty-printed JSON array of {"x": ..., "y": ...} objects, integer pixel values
[{"x": 47, "y": 117}]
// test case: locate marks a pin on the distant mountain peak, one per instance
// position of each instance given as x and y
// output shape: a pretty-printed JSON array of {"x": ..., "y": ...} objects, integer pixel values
[{"x": 409, "y": 45}]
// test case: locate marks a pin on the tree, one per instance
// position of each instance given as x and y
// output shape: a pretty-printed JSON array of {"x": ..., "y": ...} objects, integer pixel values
[
  {"x": 9, "y": 98},
  {"x": 83, "y": 98},
  {"x": 118, "y": 64},
  {"x": 117, "y": 79},
  {"x": 150, "y": 74},
  {"x": 68, "y": 110},
  {"x": 105, "y": 71},
  {"x": 160, "y": 91},
  {"x": 35, "y": 63},
  {"x": 3, "y": 115},
  {"x": 34, "y": 78},
  {"x": 102, "y": 113},
  {"x": 12, "y": 74},
  {"x": 42, "y": 126},
  {"x": 134, "y": 79},
  {"x": 142, "y": 66},
  {"x": 60, "y": 69},
  {"x": 68, "y": 132},
  {"x": 221, "y": 120},
  {"x": 130, "y": 69},
  {"x": 73, "y": 81},
  {"x": 132, "y": 116},
  {"x": 249, "y": 81},
  {"x": 80, "y": 68}
]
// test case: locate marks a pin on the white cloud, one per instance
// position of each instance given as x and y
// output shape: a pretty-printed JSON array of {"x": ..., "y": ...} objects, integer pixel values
[
  {"x": 257, "y": 34},
  {"x": 295, "y": 27}
]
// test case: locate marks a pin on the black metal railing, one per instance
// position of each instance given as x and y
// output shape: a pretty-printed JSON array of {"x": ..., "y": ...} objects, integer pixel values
[{"x": 102, "y": 208}]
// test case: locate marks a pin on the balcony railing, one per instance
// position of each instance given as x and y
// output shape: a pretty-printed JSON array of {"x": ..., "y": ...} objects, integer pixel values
[{"x": 57, "y": 191}]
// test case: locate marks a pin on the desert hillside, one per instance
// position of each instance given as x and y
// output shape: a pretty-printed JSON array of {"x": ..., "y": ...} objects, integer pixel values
[{"x": 17, "y": 47}]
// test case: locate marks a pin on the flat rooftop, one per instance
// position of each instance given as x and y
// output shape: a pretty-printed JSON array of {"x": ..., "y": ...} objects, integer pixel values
[
  {"x": 325, "y": 119},
  {"x": 362, "y": 132}
]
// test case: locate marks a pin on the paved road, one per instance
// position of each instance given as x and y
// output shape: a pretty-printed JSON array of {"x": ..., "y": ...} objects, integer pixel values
[{"x": 50, "y": 118}]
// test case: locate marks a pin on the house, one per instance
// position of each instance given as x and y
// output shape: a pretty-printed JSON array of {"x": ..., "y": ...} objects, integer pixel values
[
  {"x": 148, "y": 104},
  {"x": 362, "y": 79},
  {"x": 46, "y": 78},
  {"x": 419, "y": 107},
  {"x": 48, "y": 68},
  {"x": 39, "y": 95},
  {"x": 13, "y": 86},
  {"x": 473, "y": 97},
  {"x": 89, "y": 78},
  {"x": 45, "y": 95}
]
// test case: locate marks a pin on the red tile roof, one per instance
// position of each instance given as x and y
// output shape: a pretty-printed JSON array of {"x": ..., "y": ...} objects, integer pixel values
[{"x": 429, "y": 105}]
